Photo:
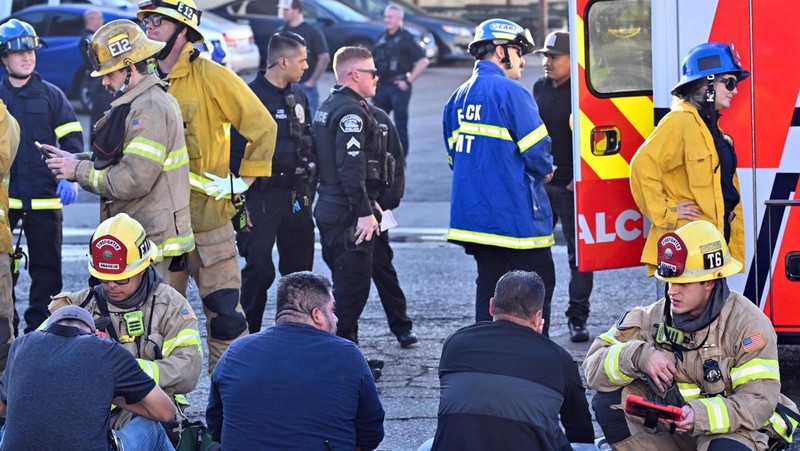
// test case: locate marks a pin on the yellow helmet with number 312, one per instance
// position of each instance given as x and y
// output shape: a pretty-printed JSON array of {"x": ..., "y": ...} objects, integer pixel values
[
  {"x": 696, "y": 252},
  {"x": 118, "y": 44}
]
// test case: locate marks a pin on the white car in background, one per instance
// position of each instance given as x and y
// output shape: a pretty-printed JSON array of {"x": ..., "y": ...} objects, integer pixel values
[{"x": 235, "y": 39}]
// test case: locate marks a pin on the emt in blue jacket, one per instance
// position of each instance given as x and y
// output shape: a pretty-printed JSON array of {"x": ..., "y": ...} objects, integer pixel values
[{"x": 499, "y": 151}]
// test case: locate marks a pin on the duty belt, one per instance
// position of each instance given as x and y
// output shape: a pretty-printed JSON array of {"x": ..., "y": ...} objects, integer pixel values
[
  {"x": 279, "y": 179},
  {"x": 391, "y": 79}
]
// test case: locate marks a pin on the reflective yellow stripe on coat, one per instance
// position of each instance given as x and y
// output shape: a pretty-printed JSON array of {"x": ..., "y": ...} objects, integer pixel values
[
  {"x": 611, "y": 366},
  {"x": 718, "y": 420},
  {"x": 36, "y": 204},
  {"x": 754, "y": 370}
]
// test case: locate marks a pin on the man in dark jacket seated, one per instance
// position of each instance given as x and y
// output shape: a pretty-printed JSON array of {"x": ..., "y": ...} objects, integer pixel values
[
  {"x": 504, "y": 385},
  {"x": 296, "y": 385}
]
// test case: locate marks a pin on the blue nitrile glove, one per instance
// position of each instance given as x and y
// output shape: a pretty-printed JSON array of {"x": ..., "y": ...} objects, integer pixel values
[
  {"x": 68, "y": 191},
  {"x": 218, "y": 54},
  {"x": 220, "y": 187}
]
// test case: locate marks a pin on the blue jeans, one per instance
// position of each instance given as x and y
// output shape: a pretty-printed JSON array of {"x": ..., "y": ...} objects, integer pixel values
[
  {"x": 313, "y": 98},
  {"x": 142, "y": 434}
]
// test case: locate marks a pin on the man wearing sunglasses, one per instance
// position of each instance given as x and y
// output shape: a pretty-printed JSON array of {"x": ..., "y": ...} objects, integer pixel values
[
  {"x": 211, "y": 99},
  {"x": 36, "y": 197},
  {"x": 279, "y": 207},
  {"x": 713, "y": 345},
  {"x": 352, "y": 160},
  {"x": 130, "y": 302}
]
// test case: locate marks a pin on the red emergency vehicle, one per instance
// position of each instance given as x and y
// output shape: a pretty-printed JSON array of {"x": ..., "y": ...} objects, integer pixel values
[{"x": 627, "y": 56}]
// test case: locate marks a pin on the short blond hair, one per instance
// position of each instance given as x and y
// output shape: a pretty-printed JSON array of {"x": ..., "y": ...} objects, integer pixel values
[{"x": 345, "y": 55}]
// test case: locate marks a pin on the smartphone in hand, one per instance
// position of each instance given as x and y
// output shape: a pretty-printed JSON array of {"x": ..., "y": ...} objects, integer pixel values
[{"x": 45, "y": 153}]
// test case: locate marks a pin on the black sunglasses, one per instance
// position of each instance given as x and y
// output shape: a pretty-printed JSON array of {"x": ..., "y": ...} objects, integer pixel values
[
  {"x": 730, "y": 83},
  {"x": 155, "y": 19},
  {"x": 373, "y": 72},
  {"x": 120, "y": 282}
]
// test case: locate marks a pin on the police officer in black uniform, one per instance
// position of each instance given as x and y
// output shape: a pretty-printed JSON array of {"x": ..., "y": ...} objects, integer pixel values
[
  {"x": 400, "y": 61},
  {"x": 384, "y": 275},
  {"x": 353, "y": 165},
  {"x": 279, "y": 207}
]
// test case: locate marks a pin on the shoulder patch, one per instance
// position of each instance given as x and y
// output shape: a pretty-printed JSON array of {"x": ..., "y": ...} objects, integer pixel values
[
  {"x": 351, "y": 123},
  {"x": 139, "y": 123},
  {"x": 187, "y": 313},
  {"x": 753, "y": 343}
]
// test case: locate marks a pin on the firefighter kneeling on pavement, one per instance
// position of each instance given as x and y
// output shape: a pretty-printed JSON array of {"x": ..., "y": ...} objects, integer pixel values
[
  {"x": 703, "y": 348},
  {"x": 129, "y": 301}
]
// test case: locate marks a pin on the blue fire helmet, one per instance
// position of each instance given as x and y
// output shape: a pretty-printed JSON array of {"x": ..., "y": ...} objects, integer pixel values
[
  {"x": 713, "y": 58},
  {"x": 18, "y": 36},
  {"x": 494, "y": 32}
]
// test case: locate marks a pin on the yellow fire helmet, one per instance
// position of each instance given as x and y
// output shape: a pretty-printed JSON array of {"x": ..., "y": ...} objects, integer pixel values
[
  {"x": 696, "y": 252},
  {"x": 118, "y": 44},
  {"x": 182, "y": 11},
  {"x": 120, "y": 249}
]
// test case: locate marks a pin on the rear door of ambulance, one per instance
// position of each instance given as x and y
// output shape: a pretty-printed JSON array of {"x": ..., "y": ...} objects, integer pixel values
[
  {"x": 763, "y": 121},
  {"x": 612, "y": 116}
]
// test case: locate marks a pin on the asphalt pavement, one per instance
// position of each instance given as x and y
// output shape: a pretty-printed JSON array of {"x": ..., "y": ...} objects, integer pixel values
[{"x": 438, "y": 278}]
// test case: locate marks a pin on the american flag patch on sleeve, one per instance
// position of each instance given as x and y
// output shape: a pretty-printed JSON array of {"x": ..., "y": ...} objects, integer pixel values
[
  {"x": 753, "y": 343},
  {"x": 187, "y": 313}
]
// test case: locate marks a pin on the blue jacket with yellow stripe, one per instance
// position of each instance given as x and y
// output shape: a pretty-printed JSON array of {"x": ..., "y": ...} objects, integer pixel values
[
  {"x": 45, "y": 115},
  {"x": 499, "y": 151}
]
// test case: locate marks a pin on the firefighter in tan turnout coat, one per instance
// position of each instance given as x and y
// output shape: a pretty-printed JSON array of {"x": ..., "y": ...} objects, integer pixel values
[
  {"x": 139, "y": 164},
  {"x": 129, "y": 301},
  {"x": 703, "y": 348}
]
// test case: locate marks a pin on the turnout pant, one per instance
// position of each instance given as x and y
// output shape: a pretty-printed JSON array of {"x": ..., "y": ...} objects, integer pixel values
[
  {"x": 215, "y": 269},
  {"x": 6, "y": 311},
  {"x": 493, "y": 262},
  {"x": 43, "y": 236},
  {"x": 580, "y": 283},
  {"x": 626, "y": 432},
  {"x": 273, "y": 219},
  {"x": 385, "y": 277}
]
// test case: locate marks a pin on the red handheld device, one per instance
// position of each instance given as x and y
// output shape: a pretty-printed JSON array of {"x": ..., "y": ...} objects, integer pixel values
[{"x": 636, "y": 405}]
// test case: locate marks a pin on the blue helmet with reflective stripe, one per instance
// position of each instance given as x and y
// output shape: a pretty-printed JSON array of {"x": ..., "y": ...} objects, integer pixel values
[
  {"x": 18, "y": 36},
  {"x": 713, "y": 58},
  {"x": 494, "y": 32}
]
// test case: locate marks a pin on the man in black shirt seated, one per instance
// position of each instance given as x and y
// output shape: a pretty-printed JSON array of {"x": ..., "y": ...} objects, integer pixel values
[
  {"x": 504, "y": 385},
  {"x": 60, "y": 382}
]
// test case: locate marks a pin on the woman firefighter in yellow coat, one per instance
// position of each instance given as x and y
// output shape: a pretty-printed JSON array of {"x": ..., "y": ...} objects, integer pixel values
[{"x": 686, "y": 169}]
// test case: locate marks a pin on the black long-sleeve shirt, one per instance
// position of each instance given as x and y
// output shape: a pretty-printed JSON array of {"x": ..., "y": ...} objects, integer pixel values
[
  {"x": 555, "y": 106},
  {"x": 504, "y": 386}
]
